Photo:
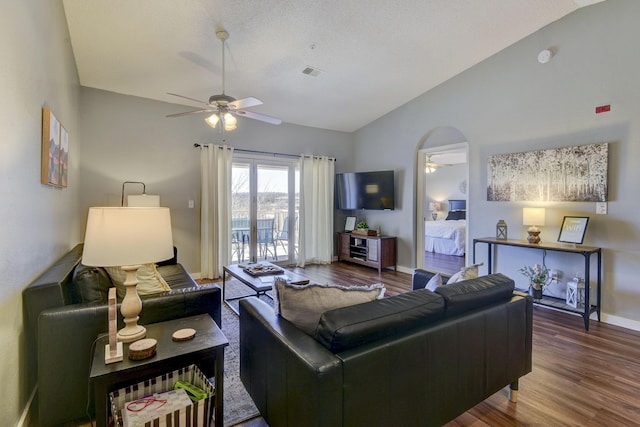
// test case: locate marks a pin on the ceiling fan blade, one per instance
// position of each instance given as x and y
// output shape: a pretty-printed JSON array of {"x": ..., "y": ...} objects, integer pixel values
[
  {"x": 246, "y": 102},
  {"x": 261, "y": 117},
  {"x": 186, "y": 113},
  {"x": 186, "y": 97}
]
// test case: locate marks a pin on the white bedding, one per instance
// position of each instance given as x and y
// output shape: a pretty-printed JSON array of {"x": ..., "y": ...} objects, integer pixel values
[{"x": 445, "y": 237}]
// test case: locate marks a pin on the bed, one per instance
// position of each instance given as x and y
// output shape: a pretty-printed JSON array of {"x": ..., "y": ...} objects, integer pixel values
[{"x": 448, "y": 236}]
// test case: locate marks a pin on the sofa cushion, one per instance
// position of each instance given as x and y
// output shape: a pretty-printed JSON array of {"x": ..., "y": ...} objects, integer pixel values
[
  {"x": 176, "y": 276},
  {"x": 344, "y": 328},
  {"x": 89, "y": 285},
  {"x": 150, "y": 282},
  {"x": 303, "y": 305},
  {"x": 471, "y": 294}
]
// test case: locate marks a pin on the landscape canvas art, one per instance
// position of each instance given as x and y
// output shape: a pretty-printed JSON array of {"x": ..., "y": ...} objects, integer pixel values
[{"x": 576, "y": 173}]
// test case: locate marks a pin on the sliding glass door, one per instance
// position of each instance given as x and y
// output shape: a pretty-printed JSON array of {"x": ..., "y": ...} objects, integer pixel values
[{"x": 265, "y": 194}]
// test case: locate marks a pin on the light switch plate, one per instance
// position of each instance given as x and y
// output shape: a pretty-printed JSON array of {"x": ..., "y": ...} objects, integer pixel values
[{"x": 601, "y": 208}]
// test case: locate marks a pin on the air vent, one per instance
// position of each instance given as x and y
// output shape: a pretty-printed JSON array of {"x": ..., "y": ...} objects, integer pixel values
[{"x": 310, "y": 71}]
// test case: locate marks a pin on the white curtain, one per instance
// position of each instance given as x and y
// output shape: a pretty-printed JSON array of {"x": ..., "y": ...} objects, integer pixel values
[
  {"x": 316, "y": 210},
  {"x": 215, "y": 215}
]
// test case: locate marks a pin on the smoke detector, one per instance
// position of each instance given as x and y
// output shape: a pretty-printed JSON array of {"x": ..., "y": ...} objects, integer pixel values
[{"x": 544, "y": 56}]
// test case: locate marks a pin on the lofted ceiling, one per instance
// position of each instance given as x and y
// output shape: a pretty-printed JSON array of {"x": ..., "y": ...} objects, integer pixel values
[{"x": 370, "y": 57}]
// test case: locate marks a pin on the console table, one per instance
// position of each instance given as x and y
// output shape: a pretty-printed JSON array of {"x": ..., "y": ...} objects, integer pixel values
[{"x": 557, "y": 303}]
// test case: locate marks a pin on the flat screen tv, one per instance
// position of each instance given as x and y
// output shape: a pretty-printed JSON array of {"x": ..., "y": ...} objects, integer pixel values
[{"x": 365, "y": 190}]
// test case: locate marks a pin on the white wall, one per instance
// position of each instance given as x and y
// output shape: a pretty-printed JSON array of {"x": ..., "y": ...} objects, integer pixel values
[
  {"x": 39, "y": 222},
  {"x": 511, "y": 103},
  {"x": 126, "y": 138},
  {"x": 444, "y": 185}
]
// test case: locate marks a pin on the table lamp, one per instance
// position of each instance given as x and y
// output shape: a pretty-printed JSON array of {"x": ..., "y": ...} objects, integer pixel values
[
  {"x": 128, "y": 237},
  {"x": 533, "y": 217},
  {"x": 434, "y": 207}
]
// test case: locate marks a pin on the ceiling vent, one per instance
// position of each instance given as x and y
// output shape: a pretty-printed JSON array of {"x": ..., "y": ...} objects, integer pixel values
[{"x": 310, "y": 71}]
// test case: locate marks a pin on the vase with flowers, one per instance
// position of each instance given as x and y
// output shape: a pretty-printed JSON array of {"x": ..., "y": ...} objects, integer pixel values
[{"x": 538, "y": 276}]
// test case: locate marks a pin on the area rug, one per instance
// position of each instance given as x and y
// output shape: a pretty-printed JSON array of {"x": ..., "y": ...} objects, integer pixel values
[{"x": 238, "y": 406}]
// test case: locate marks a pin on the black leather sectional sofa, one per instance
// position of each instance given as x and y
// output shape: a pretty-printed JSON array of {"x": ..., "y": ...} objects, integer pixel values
[
  {"x": 60, "y": 328},
  {"x": 416, "y": 359}
]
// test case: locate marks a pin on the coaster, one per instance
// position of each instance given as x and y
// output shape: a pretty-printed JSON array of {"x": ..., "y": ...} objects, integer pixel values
[
  {"x": 183, "y": 334},
  {"x": 142, "y": 349}
]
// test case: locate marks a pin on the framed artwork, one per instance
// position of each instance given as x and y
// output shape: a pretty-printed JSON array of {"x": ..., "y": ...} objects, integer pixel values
[
  {"x": 350, "y": 223},
  {"x": 573, "y": 229},
  {"x": 64, "y": 157},
  {"x": 571, "y": 174},
  {"x": 55, "y": 151}
]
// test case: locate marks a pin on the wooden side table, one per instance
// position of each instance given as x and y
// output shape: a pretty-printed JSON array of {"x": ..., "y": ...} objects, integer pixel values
[{"x": 206, "y": 350}]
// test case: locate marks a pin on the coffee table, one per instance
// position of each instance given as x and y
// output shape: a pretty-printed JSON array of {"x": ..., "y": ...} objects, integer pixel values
[
  {"x": 205, "y": 350},
  {"x": 255, "y": 282}
]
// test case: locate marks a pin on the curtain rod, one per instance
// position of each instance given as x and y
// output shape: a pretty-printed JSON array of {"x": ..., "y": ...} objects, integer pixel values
[{"x": 241, "y": 150}]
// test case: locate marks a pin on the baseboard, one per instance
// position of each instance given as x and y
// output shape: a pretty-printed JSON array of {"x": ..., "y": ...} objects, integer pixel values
[
  {"x": 620, "y": 321},
  {"x": 25, "y": 417}
]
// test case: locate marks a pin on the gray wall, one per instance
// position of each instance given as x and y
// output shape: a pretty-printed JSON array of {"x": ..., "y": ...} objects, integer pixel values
[
  {"x": 507, "y": 103},
  {"x": 511, "y": 103},
  {"x": 39, "y": 222},
  {"x": 126, "y": 138}
]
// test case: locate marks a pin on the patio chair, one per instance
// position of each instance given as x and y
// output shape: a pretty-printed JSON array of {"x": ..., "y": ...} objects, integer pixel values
[{"x": 266, "y": 242}]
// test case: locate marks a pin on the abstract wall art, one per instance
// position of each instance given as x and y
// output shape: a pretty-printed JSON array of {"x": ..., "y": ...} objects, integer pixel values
[
  {"x": 55, "y": 151},
  {"x": 576, "y": 173}
]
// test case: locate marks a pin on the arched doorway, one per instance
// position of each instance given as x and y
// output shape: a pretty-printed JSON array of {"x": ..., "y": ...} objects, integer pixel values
[{"x": 442, "y": 174}]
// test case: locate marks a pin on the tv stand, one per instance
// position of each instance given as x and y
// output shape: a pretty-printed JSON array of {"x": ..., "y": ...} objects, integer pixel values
[{"x": 373, "y": 251}]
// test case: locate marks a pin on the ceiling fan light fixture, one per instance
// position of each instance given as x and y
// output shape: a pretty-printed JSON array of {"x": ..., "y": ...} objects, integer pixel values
[
  {"x": 223, "y": 106},
  {"x": 212, "y": 120},
  {"x": 429, "y": 169},
  {"x": 230, "y": 122}
]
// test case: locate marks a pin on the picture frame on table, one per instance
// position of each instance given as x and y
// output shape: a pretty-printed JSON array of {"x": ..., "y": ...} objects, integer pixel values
[
  {"x": 350, "y": 223},
  {"x": 573, "y": 229}
]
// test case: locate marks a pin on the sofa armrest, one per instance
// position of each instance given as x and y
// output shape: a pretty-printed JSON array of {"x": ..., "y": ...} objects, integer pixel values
[
  {"x": 66, "y": 337},
  {"x": 290, "y": 376}
]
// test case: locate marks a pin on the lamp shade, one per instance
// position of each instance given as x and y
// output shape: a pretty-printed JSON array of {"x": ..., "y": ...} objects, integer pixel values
[
  {"x": 117, "y": 236},
  {"x": 434, "y": 206},
  {"x": 143, "y": 200},
  {"x": 533, "y": 216}
]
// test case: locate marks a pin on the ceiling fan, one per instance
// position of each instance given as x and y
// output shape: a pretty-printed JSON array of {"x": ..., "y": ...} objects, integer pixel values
[
  {"x": 223, "y": 107},
  {"x": 431, "y": 166}
]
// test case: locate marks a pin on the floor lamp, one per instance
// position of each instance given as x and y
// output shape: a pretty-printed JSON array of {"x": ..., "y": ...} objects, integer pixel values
[{"x": 128, "y": 237}]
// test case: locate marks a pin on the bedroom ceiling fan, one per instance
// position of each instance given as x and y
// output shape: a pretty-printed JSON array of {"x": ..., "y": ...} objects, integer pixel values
[
  {"x": 223, "y": 107},
  {"x": 431, "y": 166}
]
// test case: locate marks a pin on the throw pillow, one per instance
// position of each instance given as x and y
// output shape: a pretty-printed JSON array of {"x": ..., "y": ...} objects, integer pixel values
[
  {"x": 434, "y": 282},
  {"x": 149, "y": 280},
  {"x": 465, "y": 273},
  {"x": 456, "y": 215},
  {"x": 303, "y": 305}
]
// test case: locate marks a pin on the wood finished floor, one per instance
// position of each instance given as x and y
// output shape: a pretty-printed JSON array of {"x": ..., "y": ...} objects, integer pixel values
[{"x": 579, "y": 378}]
